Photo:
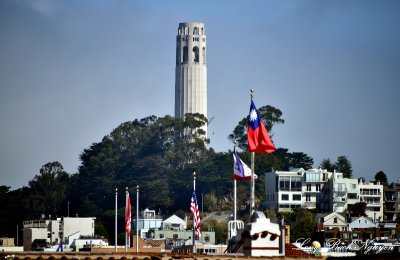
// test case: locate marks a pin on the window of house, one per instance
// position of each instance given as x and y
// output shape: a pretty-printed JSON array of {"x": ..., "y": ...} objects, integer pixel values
[
  {"x": 308, "y": 187},
  {"x": 352, "y": 195},
  {"x": 207, "y": 239},
  {"x": 312, "y": 176},
  {"x": 295, "y": 183},
  {"x": 317, "y": 187},
  {"x": 335, "y": 220},
  {"x": 285, "y": 197},
  {"x": 161, "y": 235},
  {"x": 284, "y": 183},
  {"x": 175, "y": 236},
  {"x": 308, "y": 198},
  {"x": 296, "y": 197}
]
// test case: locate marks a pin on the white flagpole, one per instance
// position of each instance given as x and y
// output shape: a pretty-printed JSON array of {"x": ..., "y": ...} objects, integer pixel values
[
  {"x": 234, "y": 200},
  {"x": 234, "y": 194},
  {"x": 252, "y": 184},
  {"x": 252, "y": 174},
  {"x": 126, "y": 233},
  {"x": 137, "y": 219},
  {"x": 194, "y": 233},
  {"x": 116, "y": 209}
]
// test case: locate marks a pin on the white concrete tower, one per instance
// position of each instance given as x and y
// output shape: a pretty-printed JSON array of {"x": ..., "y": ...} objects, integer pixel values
[{"x": 191, "y": 70}]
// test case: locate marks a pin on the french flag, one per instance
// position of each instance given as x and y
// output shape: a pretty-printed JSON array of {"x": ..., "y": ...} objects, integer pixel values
[{"x": 257, "y": 135}]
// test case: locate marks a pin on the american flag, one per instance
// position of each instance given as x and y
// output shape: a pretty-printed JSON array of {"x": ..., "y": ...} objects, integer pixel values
[{"x": 196, "y": 214}]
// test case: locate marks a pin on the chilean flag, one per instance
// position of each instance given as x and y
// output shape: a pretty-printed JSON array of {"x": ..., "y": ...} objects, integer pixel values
[
  {"x": 257, "y": 135},
  {"x": 128, "y": 215}
]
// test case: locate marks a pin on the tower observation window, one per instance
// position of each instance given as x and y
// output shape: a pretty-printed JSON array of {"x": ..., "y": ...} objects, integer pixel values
[
  {"x": 196, "y": 53},
  {"x": 185, "y": 54}
]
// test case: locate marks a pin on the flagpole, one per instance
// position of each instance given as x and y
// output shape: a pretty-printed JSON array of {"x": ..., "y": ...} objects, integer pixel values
[
  {"x": 252, "y": 173},
  {"x": 234, "y": 193},
  {"x": 137, "y": 219},
  {"x": 252, "y": 185},
  {"x": 194, "y": 234},
  {"x": 126, "y": 232},
  {"x": 234, "y": 200},
  {"x": 116, "y": 209}
]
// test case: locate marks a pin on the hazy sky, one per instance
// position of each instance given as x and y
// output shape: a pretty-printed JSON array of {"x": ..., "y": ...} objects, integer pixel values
[{"x": 72, "y": 71}]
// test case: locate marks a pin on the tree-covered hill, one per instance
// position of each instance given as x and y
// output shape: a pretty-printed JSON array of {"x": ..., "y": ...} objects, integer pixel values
[{"x": 157, "y": 153}]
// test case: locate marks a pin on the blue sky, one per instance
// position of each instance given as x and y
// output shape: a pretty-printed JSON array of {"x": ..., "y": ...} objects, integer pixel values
[{"x": 72, "y": 71}]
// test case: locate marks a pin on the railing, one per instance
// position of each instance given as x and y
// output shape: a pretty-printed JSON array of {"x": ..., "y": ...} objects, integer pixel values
[
  {"x": 309, "y": 204},
  {"x": 34, "y": 224}
]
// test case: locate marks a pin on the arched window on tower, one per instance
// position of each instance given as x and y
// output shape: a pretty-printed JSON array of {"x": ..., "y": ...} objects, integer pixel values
[
  {"x": 202, "y": 30},
  {"x": 196, "y": 54},
  {"x": 186, "y": 30},
  {"x": 195, "y": 31},
  {"x": 204, "y": 55},
  {"x": 179, "y": 31},
  {"x": 185, "y": 54}
]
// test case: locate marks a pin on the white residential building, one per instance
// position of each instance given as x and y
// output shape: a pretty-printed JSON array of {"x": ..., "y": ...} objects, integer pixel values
[
  {"x": 148, "y": 219},
  {"x": 55, "y": 231},
  {"x": 342, "y": 192},
  {"x": 333, "y": 220},
  {"x": 283, "y": 190},
  {"x": 314, "y": 182},
  {"x": 372, "y": 194},
  {"x": 174, "y": 223},
  {"x": 361, "y": 222},
  {"x": 320, "y": 189}
]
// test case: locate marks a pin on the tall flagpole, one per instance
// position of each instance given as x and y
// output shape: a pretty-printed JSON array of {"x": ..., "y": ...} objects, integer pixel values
[
  {"x": 126, "y": 232},
  {"x": 234, "y": 194},
  {"x": 137, "y": 219},
  {"x": 252, "y": 173},
  {"x": 194, "y": 234},
  {"x": 116, "y": 209}
]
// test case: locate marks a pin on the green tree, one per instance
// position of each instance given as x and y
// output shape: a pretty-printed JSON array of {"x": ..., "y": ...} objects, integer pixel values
[
  {"x": 381, "y": 177},
  {"x": 327, "y": 165},
  {"x": 49, "y": 187},
  {"x": 357, "y": 209},
  {"x": 300, "y": 160},
  {"x": 304, "y": 226},
  {"x": 343, "y": 165}
]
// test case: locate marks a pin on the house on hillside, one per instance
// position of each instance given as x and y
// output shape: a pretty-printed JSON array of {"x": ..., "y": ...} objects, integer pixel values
[
  {"x": 333, "y": 220},
  {"x": 174, "y": 223},
  {"x": 361, "y": 222}
]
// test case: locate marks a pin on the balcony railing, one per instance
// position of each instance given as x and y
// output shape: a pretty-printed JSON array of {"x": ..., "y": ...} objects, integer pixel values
[
  {"x": 309, "y": 204},
  {"x": 34, "y": 224}
]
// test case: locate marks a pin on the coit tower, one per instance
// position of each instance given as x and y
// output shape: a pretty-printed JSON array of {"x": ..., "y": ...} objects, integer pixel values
[{"x": 191, "y": 70}]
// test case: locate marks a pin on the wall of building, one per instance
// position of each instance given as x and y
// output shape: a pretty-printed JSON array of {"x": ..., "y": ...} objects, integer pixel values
[{"x": 83, "y": 225}]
